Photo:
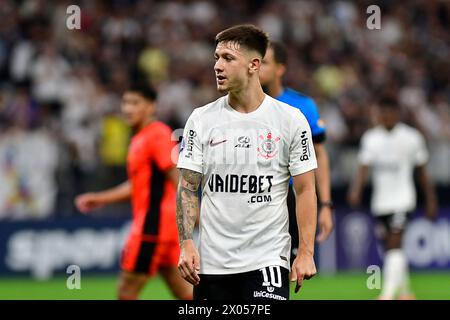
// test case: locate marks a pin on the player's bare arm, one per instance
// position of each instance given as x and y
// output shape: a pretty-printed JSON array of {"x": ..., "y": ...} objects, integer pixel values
[
  {"x": 325, "y": 220},
  {"x": 187, "y": 212},
  {"x": 187, "y": 203},
  {"x": 354, "y": 195},
  {"x": 93, "y": 200},
  {"x": 303, "y": 266},
  {"x": 428, "y": 189},
  {"x": 173, "y": 175}
]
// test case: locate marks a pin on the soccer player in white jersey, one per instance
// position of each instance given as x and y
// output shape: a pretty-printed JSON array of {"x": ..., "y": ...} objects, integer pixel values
[
  {"x": 243, "y": 148},
  {"x": 393, "y": 150}
]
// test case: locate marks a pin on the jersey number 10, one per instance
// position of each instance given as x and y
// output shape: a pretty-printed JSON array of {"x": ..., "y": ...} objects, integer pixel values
[{"x": 275, "y": 281}]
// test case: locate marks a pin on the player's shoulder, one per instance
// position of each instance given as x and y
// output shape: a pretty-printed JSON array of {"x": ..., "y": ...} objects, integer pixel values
[
  {"x": 155, "y": 130},
  {"x": 409, "y": 130},
  {"x": 285, "y": 111},
  {"x": 298, "y": 95},
  {"x": 300, "y": 99},
  {"x": 411, "y": 134},
  {"x": 374, "y": 133},
  {"x": 282, "y": 107},
  {"x": 158, "y": 127},
  {"x": 208, "y": 109}
]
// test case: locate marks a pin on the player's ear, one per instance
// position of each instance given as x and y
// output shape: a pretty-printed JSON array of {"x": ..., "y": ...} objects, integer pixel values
[
  {"x": 255, "y": 64},
  {"x": 151, "y": 107},
  {"x": 281, "y": 70}
]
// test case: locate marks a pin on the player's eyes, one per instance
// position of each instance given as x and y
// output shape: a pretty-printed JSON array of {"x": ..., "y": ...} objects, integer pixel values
[{"x": 226, "y": 58}]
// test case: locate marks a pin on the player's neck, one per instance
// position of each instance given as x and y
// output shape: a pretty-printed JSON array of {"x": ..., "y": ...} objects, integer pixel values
[
  {"x": 390, "y": 127},
  {"x": 143, "y": 124},
  {"x": 247, "y": 100}
]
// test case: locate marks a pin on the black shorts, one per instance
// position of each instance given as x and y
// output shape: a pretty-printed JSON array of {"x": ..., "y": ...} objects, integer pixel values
[
  {"x": 391, "y": 223},
  {"x": 269, "y": 283}
]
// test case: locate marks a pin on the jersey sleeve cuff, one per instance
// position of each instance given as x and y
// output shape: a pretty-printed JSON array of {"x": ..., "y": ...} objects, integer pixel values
[
  {"x": 299, "y": 170},
  {"x": 190, "y": 166}
]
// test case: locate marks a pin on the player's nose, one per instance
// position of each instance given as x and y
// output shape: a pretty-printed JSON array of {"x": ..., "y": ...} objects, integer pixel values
[
  {"x": 218, "y": 66},
  {"x": 126, "y": 111}
]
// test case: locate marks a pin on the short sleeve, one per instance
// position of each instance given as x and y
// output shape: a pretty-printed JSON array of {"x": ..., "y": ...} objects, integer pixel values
[
  {"x": 366, "y": 155},
  {"x": 420, "y": 153},
  {"x": 302, "y": 157},
  {"x": 163, "y": 148},
  {"x": 191, "y": 149}
]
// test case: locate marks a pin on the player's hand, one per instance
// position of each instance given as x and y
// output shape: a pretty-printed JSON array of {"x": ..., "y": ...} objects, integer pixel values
[
  {"x": 303, "y": 268},
  {"x": 189, "y": 263},
  {"x": 354, "y": 199},
  {"x": 87, "y": 202},
  {"x": 325, "y": 223},
  {"x": 431, "y": 209}
]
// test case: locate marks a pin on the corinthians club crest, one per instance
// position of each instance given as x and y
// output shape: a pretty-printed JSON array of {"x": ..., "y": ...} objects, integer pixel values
[{"x": 267, "y": 146}]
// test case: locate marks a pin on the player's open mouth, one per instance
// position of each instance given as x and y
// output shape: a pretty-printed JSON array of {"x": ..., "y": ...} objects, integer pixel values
[{"x": 220, "y": 79}]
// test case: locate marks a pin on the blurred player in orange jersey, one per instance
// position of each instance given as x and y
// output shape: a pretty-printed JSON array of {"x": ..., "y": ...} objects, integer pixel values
[{"x": 152, "y": 244}]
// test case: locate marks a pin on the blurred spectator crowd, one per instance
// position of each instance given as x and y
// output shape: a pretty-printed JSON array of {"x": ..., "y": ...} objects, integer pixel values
[{"x": 60, "y": 89}]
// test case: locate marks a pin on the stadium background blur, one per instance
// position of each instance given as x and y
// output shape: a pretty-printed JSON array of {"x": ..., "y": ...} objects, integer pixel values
[{"x": 61, "y": 132}]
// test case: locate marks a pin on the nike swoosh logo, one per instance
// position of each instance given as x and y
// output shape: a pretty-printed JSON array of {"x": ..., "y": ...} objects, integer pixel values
[{"x": 212, "y": 144}]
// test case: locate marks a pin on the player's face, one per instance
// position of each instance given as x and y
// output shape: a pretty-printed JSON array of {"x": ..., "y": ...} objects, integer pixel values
[
  {"x": 388, "y": 117},
  {"x": 269, "y": 68},
  {"x": 136, "y": 108},
  {"x": 232, "y": 66}
]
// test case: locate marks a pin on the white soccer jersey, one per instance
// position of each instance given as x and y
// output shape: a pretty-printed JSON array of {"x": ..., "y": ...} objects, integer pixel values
[
  {"x": 246, "y": 160},
  {"x": 393, "y": 156}
]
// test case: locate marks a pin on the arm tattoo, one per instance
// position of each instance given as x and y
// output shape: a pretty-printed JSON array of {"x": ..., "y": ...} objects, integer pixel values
[{"x": 187, "y": 203}]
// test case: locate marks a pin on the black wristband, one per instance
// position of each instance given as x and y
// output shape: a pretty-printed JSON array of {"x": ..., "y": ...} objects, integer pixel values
[{"x": 327, "y": 204}]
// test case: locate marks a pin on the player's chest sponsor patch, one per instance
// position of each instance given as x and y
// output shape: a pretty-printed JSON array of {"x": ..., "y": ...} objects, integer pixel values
[{"x": 243, "y": 146}]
